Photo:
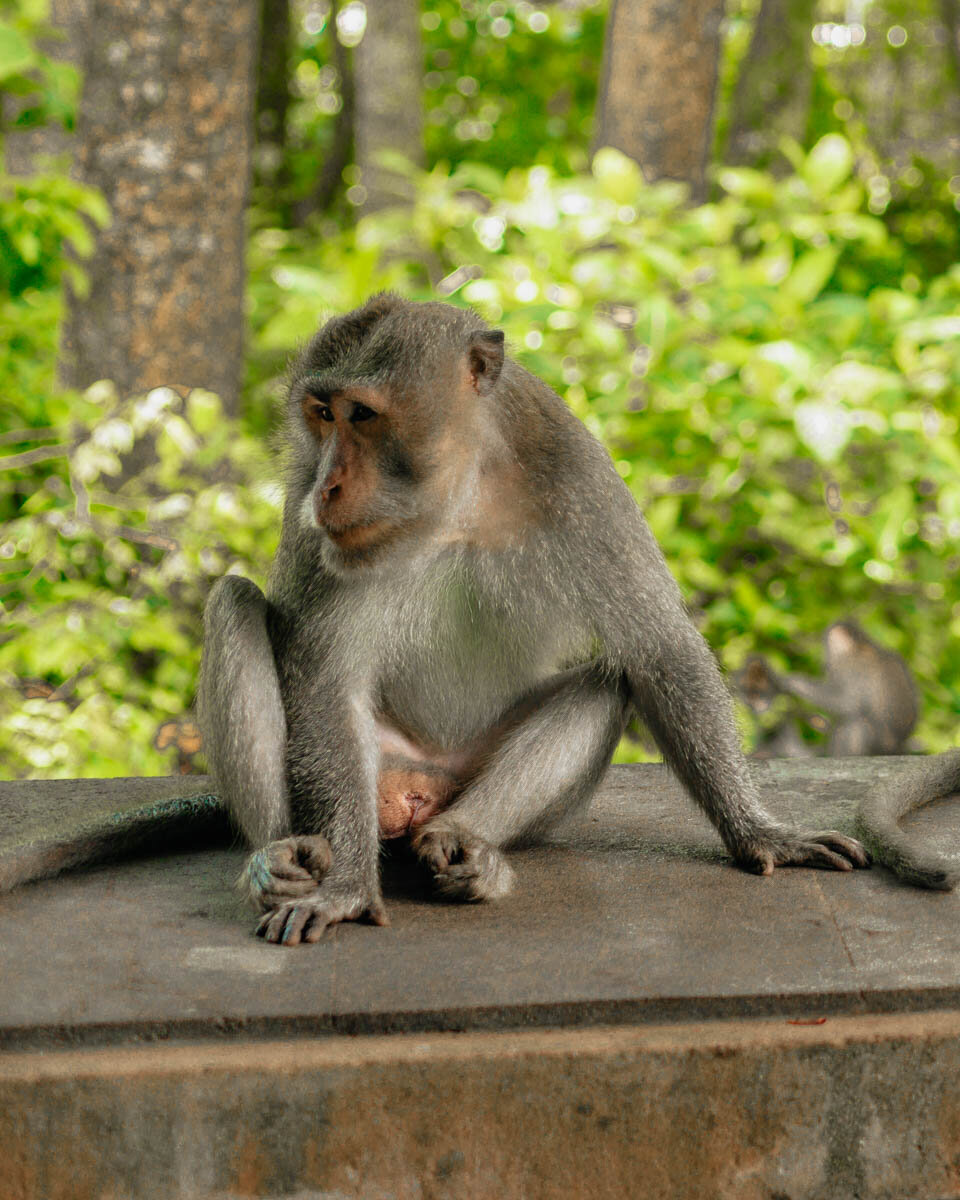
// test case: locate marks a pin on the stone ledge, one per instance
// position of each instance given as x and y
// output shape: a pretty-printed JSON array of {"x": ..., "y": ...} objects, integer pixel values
[{"x": 865, "y": 1107}]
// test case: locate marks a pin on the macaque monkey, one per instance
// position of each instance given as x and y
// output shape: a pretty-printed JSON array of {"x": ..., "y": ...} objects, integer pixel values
[
  {"x": 870, "y": 692},
  {"x": 465, "y": 607},
  {"x": 867, "y": 689}
]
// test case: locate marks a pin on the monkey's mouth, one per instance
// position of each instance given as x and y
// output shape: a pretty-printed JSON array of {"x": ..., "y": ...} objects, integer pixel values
[{"x": 358, "y": 534}]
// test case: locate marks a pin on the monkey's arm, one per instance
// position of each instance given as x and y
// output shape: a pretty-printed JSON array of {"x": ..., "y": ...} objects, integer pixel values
[
  {"x": 824, "y": 693},
  {"x": 677, "y": 688},
  {"x": 879, "y": 815},
  {"x": 682, "y": 698},
  {"x": 245, "y": 740},
  {"x": 331, "y": 766}
]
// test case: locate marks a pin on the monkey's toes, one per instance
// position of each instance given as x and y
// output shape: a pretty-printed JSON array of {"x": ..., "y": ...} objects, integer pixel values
[
  {"x": 464, "y": 867},
  {"x": 307, "y": 920}
]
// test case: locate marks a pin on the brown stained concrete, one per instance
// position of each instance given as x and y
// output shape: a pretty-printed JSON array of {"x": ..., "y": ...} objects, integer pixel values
[
  {"x": 855, "y": 1108},
  {"x": 619, "y": 1027}
]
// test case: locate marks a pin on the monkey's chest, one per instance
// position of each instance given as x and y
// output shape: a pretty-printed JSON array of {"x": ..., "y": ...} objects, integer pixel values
[{"x": 458, "y": 663}]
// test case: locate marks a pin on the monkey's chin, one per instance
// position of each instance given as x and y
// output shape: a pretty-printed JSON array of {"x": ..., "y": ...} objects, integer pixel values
[{"x": 361, "y": 536}]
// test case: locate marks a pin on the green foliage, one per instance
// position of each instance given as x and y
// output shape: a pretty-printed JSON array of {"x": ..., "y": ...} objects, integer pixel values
[
  {"x": 790, "y": 428},
  {"x": 103, "y": 576},
  {"x": 508, "y": 83},
  {"x": 46, "y": 89}
]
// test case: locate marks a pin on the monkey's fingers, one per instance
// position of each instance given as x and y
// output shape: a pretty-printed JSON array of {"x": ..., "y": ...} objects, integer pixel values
[
  {"x": 829, "y": 850},
  {"x": 283, "y": 891},
  {"x": 314, "y": 854},
  {"x": 438, "y": 848},
  {"x": 484, "y": 875},
  {"x": 849, "y": 847},
  {"x": 286, "y": 923}
]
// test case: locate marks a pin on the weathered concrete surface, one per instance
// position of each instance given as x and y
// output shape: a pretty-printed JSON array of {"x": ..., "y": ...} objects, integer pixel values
[
  {"x": 634, "y": 916},
  {"x": 859, "y": 1108},
  {"x": 631, "y": 920}
]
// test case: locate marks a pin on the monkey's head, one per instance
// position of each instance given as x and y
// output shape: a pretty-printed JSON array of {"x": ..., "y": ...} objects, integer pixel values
[
  {"x": 756, "y": 683},
  {"x": 844, "y": 640},
  {"x": 387, "y": 415}
]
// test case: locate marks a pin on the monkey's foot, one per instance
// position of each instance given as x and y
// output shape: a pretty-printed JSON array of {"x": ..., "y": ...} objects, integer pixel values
[
  {"x": 285, "y": 870},
  {"x": 828, "y": 850},
  {"x": 307, "y": 919},
  {"x": 464, "y": 867}
]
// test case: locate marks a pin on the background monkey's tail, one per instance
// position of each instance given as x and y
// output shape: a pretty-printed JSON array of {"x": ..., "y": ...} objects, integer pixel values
[
  {"x": 878, "y": 822},
  {"x": 185, "y": 822}
]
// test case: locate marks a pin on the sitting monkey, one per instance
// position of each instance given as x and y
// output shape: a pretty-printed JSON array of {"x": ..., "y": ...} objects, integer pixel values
[
  {"x": 465, "y": 606},
  {"x": 867, "y": 689}
]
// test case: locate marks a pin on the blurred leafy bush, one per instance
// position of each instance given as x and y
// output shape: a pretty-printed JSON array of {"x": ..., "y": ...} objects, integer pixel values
[
  {"x": 789, "y": 424},
  {"x": 104, "y": 570}
]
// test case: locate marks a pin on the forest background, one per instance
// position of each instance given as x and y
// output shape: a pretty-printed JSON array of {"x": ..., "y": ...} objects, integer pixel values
[{"x": 726, "y": 234}]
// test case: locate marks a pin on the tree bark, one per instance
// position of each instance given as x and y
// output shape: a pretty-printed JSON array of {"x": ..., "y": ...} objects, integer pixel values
[
  {"x": 388, "y": 66},
  {"x": 658, "y": 86},
  {"x": 273, "y": 89},
  {"x": 775, "y": 84},
  {"x": 340, "y": 152},
  {"x": 164, "y": 130}
]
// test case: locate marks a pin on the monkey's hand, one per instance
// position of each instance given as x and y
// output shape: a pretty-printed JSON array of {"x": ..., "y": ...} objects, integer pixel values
[
  {"x": 464, "y": 866},
  {"x": 828, "y": 850},
  {"x": 285, "y": 870},
  {"x": 307, "y": 919}
]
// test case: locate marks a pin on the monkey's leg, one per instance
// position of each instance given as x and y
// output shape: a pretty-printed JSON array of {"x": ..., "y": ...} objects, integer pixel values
[
  {"x": 244, "y": 737},
  {"x": 544, "y": 767},
  {"x": 854, "y": 737}
]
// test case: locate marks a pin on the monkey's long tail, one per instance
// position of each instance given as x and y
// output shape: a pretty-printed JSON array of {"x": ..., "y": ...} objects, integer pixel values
[
  {"x": 185, "y": 822},
  {"x": 878, "y": 822}
]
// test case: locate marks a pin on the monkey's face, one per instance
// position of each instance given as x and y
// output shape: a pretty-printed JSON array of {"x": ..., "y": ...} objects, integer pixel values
[
  {"x": 364, "y": 490},
  {"x": 391, "y": 442}
]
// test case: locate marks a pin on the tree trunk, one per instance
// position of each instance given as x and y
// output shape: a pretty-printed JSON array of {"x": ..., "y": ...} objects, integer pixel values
[
  {"x": 273, "y": 90},
  {"x": 658, "y": 86},
  {"x": 164, "y": 132},
  {"x": 340, "y": 153},
  {"x": 388, "y": 66},
  {"x": 775, "y": 84}
]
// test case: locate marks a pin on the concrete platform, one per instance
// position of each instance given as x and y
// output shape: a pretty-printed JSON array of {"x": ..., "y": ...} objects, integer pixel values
[{"x": 626, "y": 1021}]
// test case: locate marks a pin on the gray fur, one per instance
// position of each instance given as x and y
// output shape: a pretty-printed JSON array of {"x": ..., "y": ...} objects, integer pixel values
[
  {"x": 519, "y": 597},
  {"x": 878, "y": 821}
]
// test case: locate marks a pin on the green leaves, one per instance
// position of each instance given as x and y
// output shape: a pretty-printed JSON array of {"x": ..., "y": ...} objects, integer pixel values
[
  {"x": 790, "y": 427},
  {"x": 828, "y": 164},
  {"x": 16, "y": 53}
]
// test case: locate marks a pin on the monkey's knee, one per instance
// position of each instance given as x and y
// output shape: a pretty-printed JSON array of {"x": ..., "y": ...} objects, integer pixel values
[
  {"x": 285, "y": 870},
  {"x": 464, "y": 867}
]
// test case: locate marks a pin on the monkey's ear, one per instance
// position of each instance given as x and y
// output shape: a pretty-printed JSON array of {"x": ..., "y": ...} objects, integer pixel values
[{"x": 486, "y": 358}]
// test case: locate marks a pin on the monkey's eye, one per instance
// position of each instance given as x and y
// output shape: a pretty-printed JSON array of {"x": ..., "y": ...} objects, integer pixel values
[
  {"x": 317, "y": 410},
  {"x": 361, "y": 413}
]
